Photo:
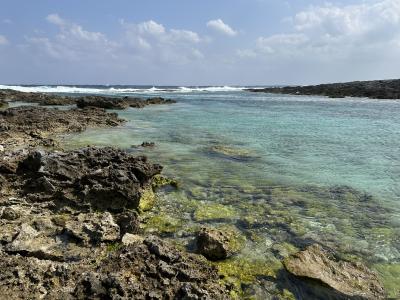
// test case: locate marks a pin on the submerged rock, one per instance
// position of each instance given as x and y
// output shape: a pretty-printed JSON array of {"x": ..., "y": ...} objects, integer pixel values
[{"x": 346, "y": 278}]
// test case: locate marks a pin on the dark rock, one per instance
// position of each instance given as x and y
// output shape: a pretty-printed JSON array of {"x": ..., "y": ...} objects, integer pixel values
[
  {"x": 128, "y": 222},
  {"x": 105, "y": 179},
  {"x": 147, "y": 144},
  {"x": 119, "y": 103},
  {"x": 378, "y": 89}
]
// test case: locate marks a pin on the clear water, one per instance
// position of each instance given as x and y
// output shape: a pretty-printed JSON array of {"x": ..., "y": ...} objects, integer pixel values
[{"x": 285, "y": 171}]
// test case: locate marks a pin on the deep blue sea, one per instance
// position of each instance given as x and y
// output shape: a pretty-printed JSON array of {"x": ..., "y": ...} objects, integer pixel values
[{"x": 283, "y": 170}]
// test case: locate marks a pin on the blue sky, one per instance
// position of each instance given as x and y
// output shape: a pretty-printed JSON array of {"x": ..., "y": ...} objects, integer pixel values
[{"x": 191, "y": 42}]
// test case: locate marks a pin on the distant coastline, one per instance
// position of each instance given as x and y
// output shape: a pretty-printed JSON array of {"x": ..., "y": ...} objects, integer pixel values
[{"x": 376, "y": 89}]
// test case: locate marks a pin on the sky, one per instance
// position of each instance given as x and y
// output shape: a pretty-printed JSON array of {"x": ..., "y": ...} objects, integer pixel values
[{"x": 192, "y": 42}]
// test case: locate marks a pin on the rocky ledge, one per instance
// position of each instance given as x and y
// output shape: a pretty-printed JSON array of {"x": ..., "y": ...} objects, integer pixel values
[
  {"x": 46, "y": 99},
  {"x": 29, "y": 126},
  {"x": 378, "y": 89},
  {"x": 68, "y": 229}
]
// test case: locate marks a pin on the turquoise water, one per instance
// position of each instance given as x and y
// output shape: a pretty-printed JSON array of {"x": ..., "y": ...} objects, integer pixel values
[{"x": 285, "y": 171}]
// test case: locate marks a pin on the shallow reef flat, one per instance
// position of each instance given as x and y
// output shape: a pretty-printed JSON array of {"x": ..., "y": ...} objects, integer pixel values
[{"x": 106, "y": 222}]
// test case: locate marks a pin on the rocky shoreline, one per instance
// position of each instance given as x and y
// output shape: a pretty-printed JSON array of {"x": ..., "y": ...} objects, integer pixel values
[
  {"x": 378, "y": 89},
  {"x": 81, "y": 101},
  {"x": 70, "y": 222}
]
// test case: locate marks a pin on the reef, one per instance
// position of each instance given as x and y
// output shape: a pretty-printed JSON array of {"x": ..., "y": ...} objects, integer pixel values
[
  {"x": 377, "y": 89},
  {"x": 47, "y": 99}
]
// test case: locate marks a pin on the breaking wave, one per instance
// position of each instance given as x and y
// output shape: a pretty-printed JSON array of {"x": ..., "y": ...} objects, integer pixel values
[{"x": 119, "y": 89}]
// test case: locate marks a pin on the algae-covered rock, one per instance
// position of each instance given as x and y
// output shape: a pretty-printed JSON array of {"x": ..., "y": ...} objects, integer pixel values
[
  {"x": 216, "y": 244},
  {"x": 232, "y": 152},
  {"x": 147, "y": 199},
  {"x": 214, "y": 211},
  {"x": 346, "y": 278},
  {"x": 241, "y": 271},
  {"x": 162, "y": 223},
  {"x": 283, "y": 250},
  {"x": 160, "y": 181}
]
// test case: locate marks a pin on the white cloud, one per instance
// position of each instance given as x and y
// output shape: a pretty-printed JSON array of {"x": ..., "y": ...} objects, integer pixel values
[
  {"x": 7, "y": 21},
  {"x": 330, "y": 32},
  {"x": 3, "y": 40},
  {"x": 219, "y": 26},
  {"x": 159, "y": 44},
  {"x": 147, "y": 42},
  {"x": 73, "y": 42}
]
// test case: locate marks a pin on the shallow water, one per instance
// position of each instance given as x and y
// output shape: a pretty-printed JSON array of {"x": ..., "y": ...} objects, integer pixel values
[{"x": 286, "y": 171}]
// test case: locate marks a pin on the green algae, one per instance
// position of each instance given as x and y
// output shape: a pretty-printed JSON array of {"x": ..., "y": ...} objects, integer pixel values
[
  {"x": 236, "y": 240},
  {"x": 160, "y": 181},
  {"x": 237, "y": 271},
  {"x": 284, "y": 249},
  {"x": 147, "y": 200},
  {"x": 215, "y": 211},
  {"x": 390, "y": 277},
  {"x": 163, "y": 224}
]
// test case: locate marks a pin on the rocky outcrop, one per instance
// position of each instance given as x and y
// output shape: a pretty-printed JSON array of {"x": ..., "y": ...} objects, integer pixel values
[
  {"x": 378, "y": 89},
  {"x": 119, "y": 103},
  {"x": 147, "y": 269},
  {"x": 104, "y": 179},
  {"x": 347, "y": 279},
  {"x": 41, "y": 98},
  {"x": 82, "y": 102},
  {"x": 33, "y": 126},
  {"x": 69, "y": 229}
]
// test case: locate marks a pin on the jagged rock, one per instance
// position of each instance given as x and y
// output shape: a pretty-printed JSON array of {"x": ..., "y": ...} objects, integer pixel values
[
  {"x": 217, "y": 244},
  {"x": 29, "y": 242},
  {"x": 350, "y": 280},
  {"x": 105, "y": 179},
  {"x": 130, "y": 272},
  {"x": 93, "y": 228},
  {"x": 128, "y": 222}
]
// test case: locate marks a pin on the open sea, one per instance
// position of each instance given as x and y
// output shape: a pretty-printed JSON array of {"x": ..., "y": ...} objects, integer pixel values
[{"x": 285, "y": 171}]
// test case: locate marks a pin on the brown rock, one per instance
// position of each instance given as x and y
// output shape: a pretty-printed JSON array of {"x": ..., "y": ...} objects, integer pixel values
[{"x": 348, "y": 278}]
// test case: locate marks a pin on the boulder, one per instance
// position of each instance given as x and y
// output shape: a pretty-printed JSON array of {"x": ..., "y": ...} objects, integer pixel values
[
  {"x": 351, "y": 280},
  {"x": 217, "y": 244}
]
